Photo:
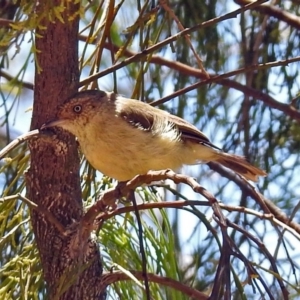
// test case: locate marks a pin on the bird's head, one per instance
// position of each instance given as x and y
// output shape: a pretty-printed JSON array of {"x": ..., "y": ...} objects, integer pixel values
[{"x": 77, "y": 111}]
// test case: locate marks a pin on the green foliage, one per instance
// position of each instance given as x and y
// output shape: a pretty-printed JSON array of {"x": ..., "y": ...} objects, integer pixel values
[{"x": 235, "y": 112}]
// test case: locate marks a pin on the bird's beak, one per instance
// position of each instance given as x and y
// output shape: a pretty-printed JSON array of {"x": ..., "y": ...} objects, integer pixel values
[{"x": 54, "y": 123}]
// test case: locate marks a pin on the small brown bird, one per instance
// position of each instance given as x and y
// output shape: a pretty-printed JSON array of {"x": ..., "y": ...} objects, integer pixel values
[{"x": 124, "y": 137}]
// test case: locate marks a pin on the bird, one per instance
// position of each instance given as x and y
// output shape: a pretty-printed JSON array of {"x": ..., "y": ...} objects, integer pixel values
[{"x": 123, "y": 137}]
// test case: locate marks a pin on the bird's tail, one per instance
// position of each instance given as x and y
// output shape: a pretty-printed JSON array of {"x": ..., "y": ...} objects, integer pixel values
[{"x": 239, "y": 165}]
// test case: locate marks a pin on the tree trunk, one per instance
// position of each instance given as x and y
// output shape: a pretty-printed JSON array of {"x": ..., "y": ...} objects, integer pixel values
[{"x": 71, "y": 270}]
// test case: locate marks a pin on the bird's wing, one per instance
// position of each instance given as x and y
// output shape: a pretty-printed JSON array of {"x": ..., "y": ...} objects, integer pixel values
[
  {"x": 190, "y": 132},
  {"x": 143, "y": 116},
  {"x": 136, "y": 115}
]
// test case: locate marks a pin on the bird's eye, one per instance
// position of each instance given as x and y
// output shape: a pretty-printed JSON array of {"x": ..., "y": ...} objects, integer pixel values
[{"x": 77, "y": 109}]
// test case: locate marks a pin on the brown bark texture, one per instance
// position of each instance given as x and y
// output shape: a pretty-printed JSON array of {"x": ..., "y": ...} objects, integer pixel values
[{"x": 71, "y": 267}]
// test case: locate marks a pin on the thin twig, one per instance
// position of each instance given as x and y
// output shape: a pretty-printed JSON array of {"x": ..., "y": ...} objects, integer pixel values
[
  {"x": 21, "y": 139},
  {"x": 9, "y": 77},
  {"x": 245, "y": 186},
  {"x": 264, "y": 250},
  {"x": 142, "y": 248},
  {"x": 184, "y": 69},
  {"x": 166, "y": 7},
  {"x": 289, "y": 18},
  {"x": 6, "y": 23},
  {"x": 123, "y": 188},
  {"x": 217, "y": 78},
  {"x": 104, "y": 216},
  {"x": 167, "y": 41},
  {"x": 37, "y": 208},
  {"x": 112, "y": 277}
]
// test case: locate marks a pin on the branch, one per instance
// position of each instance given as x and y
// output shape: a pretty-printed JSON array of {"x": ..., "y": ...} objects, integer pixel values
[
  {"x": 51, "y": 218},
  {"x": 5, "y": 23},
  {"x": 219, "y": 78},
  {"x": 169, "y": 40},
  {"x": 264, "y": 250},
  {"x": 9, "y": 77},
  {"x": 142, "y": 248},
  {"x": 258, "y": 197},
  {"x": 165, "y": 6},
  {"x": 110, "y": 278},
  {"x": 276, "y": 12},
  {"x": 124, "y": 188},
  {"x": 21, "y": 139},
  {"x": 222, "y": 277},
  {"x": 103, "y": 216},
  {"x": 214, "y": 78}
]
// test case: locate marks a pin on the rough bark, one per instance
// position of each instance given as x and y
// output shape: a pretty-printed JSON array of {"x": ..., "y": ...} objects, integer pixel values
[{"x": 72, "y": 268}]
